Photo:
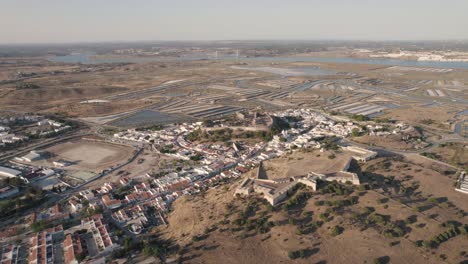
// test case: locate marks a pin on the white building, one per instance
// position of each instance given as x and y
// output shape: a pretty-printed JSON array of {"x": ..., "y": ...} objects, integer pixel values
[
  {"x": 361, "y": 154},
  {"x": 30, "y": 157},
  {"x": 9, "y": 172}
]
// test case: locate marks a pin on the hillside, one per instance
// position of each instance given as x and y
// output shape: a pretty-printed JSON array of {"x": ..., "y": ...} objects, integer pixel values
[{"x": 389, "y": 219}]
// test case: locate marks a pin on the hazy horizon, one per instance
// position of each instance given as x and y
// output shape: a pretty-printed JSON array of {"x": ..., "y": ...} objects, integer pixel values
[{"x": 86, "y": 21}]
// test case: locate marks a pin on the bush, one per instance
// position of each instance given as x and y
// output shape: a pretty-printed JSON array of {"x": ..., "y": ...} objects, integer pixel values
[
  {"x": 360, "y": 118},
  {"x": 377, "y": 218},
  {"x": 39, "y": 226},
  {"x": 429, "y": 244},
  {"x": 324, "y": 217},
  {"x": 80, "y": 257},
  {"x": 382, "y": 200},
  {"x": 363, "y": 187},
  {"x": 368, "y": 210},
  {"x": 299, "y": 199},
  {"x": 337, "y": 230},
  {"x": 196, "y": 157},
  {"x": 319, "y": 203},
  {"x": 355, "y": 132},
  {"x": 336, "y": 188},
  {"x": 411, "y": 219},
  {"x": 27, "y": 86},
  {"x": 198, "y": 238},
  {"x": 293, "y": 254},
  {"x": 381, "y": 260},
  {"x": 296, "y": 254}
]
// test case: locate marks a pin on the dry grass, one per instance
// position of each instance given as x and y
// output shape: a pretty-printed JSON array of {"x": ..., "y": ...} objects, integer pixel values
[
  {"x": 300, "y": 163},
  {"x": 393, "y": 142},
  {"x": 452, "y": 153},
  {"x": 225, "y": 243}
]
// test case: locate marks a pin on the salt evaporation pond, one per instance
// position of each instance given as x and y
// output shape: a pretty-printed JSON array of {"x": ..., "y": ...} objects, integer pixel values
[{"x": 149, "y": 118}]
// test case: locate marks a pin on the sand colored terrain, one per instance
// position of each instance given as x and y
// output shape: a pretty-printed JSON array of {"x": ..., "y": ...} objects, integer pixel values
[
  {"x": 452, "y": 153},
  {"x": 418, "y": 114},
  {"x": 434, "y": 182},
  {"x": 212, "y": 215},
  {"x": 300, "y": 163},
  {"x": 393, "y": 142},
  {"x": 89, "y": 155},
  {"x": 63, "y": 92},
  {"x": 192, "y": 216}
]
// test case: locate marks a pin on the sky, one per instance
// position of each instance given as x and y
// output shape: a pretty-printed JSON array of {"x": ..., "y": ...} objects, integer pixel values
[{"x": 68, "y": 21}]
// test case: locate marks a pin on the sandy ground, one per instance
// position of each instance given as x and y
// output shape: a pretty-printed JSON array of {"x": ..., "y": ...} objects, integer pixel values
[
  {"x": 193, "y": 215},
  {"x": 64, "y": 92},
  {"x": 435, "y": 183},
  {"x": 146, "y": 162},
  {"x": 89, "y": 155},
  {"x": 300, "y": 163},
  {"x": 417, "y": 114},
  {"x": 390, "y": 142},
  {"x": 453, "y": 153}
]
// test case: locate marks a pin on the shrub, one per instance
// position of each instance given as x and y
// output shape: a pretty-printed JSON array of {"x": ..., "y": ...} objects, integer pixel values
[
  {"x": 377, "y": 218},
  {"x": 381, "y": 260},
  {"x": 296, "y": 254},
  {"x": 363, "y": 187},
  {"x": 319, "y": 203},
  {"x": 368, "y": 210},
  {"x": 382, "y": 201},
  {"x": 324, "y": 217},
  {"x": 337, "y": 230},
  {"x": 293, "y": 254}
]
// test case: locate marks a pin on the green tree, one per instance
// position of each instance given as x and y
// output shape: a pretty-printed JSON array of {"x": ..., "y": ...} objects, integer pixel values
[
  {"x": 337, "y": 230},
  {"x": 355, "y": 132}
]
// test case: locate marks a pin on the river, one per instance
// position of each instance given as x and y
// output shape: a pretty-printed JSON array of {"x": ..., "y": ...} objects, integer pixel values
[{"x": 87, "y": 58}]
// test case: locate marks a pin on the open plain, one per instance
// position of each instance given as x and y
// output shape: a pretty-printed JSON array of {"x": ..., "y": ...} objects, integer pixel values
[{"x": 91, "y": 155}]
